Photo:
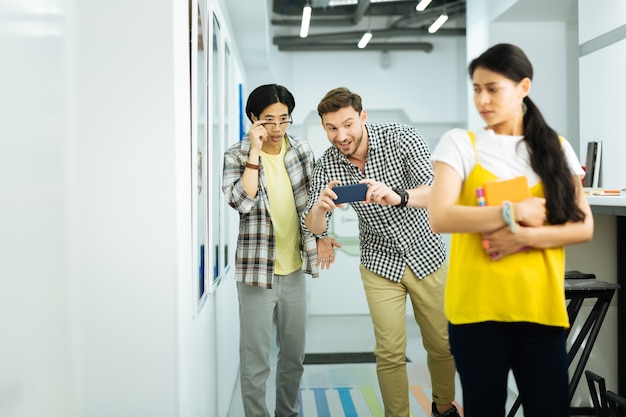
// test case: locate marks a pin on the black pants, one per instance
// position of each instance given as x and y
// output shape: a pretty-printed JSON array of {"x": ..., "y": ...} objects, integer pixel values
[{"x": 485, "y": 352}]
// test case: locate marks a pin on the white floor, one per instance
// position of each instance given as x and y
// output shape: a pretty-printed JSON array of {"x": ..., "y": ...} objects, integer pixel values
[
  {"x": 324, "y": 388},
  {"x": 328, "y": 334}
]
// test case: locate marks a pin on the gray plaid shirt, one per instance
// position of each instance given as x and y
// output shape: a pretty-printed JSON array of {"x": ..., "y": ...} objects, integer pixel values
[
  {"x": 390, "y": 237},
  {"x": 256, "y": 244}
]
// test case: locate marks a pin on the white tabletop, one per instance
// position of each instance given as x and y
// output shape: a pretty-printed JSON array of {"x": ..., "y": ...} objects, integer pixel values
[{"x": 610, "y": 200}]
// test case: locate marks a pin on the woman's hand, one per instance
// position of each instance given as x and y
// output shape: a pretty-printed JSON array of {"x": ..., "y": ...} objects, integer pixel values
[
  {"x": 501, "y": 242},
  {"x": 531, "y": 212}
]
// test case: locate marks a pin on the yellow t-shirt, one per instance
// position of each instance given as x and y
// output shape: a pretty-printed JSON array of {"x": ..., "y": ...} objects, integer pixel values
[
  {"x": 283, "y": 212},
  {"x": 523, "y": 287}
]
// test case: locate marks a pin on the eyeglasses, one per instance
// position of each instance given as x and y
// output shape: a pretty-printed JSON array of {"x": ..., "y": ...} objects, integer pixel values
[{"x": 283, "y": 125}]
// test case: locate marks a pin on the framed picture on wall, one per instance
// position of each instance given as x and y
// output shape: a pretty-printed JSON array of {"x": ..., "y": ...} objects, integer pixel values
[
  {"x": 214, "y": 195},
  {"x": 198, "y": 157},
  {"x": 226, "y": 211}
]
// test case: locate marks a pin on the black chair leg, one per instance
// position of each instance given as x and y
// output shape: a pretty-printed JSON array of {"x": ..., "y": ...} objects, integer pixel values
[{"x": 599, "y": 394}]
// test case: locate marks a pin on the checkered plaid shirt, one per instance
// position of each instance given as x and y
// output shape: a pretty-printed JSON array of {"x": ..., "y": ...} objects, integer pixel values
[
  {"x": 256, "y": 243},
  {"x": 390, "y": 237}
]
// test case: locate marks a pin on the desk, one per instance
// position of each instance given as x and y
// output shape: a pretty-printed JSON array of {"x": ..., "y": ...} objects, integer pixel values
[
  {"x": 577, "y": 290},
  {"x": 616, "y": 206}
]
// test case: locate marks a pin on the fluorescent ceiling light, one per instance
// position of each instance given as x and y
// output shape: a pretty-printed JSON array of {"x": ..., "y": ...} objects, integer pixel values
[
  {"x": 422, "y": 5},
  {"x": 333, "y": 3},
  {"x": 438, "y": 23},
  {"x": 306, "y": 20},
  {"x": 365, "y": 39}
]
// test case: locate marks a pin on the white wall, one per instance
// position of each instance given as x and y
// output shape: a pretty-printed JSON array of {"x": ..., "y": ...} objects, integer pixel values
[
  {"x": 602, "y": 85},
  {"x": 36, "y": 350},
  {"x": 224, "y": 346},
  {"x": 96, "y": 278},
  {"x": 420, "y": 83},
  {"x": 123, "y": 236}
]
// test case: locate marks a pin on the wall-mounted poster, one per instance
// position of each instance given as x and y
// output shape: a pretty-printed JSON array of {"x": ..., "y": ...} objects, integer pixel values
[
  {"x": 215, "y": 194},
  {"x": 225, "y": 236},
  {"x": 210, "y": 105},
  {"x": 198, "y": 146}
]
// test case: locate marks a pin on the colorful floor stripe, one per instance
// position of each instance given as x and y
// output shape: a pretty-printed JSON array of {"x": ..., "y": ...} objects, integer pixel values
[
  {"x": 316, "y": 402},
  {"x": 351, "y": 390}
]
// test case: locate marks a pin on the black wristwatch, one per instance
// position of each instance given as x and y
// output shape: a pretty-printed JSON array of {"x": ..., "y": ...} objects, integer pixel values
[{"x": 404, "y": 197}]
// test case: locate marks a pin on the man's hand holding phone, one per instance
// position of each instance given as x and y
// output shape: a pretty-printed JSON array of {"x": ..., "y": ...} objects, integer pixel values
[
  {"x": 331, "y": 197},
  {"x": 336, "y": 195}
]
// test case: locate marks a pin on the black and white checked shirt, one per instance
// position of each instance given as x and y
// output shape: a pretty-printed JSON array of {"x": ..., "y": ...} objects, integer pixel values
[{"x": 390, "y": 237}]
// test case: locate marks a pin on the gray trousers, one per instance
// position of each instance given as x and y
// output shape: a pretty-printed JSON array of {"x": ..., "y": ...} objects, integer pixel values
[{"x": 284, "y": 305}]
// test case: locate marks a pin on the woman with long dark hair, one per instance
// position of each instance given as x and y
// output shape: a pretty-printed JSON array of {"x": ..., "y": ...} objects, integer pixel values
[{"x": 505, "y": 297}]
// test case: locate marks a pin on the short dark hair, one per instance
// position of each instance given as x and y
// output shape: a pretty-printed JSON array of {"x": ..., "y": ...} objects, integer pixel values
[
  {"x": 339, "y": 98},
  {"x": 266, "y": 95}
]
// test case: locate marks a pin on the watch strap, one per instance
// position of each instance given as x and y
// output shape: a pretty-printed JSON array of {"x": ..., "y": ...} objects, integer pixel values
[{"x": 404, "y": 197}]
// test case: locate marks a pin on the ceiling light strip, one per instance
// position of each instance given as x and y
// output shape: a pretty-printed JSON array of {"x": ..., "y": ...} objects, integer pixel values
[
  {"x": 333, "y": 3},
  {"x": 306, "y": 20},
  {"x": 364, "y": 39},
  {"x": 438, "y": 23},
  {"x": 423, "y": 4}
]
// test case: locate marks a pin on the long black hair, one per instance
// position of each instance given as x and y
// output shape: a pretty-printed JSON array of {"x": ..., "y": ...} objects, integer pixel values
[
  {"x": 546, "y": 154},
  {"x": 266, "y": 95}
]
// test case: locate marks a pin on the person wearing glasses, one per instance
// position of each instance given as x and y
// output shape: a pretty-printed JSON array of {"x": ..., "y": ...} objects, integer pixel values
[
  {"x": 400, "y": 255},
  {"x": 266, "y": 178}
]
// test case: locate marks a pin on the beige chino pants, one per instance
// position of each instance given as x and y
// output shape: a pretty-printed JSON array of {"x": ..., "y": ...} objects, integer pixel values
[{"x": 387, "y": 305}]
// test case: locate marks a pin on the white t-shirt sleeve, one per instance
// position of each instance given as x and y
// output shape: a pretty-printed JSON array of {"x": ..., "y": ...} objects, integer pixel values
[
  {"x": 455, "y": 149},
  {"x": 572, "y": 158}
]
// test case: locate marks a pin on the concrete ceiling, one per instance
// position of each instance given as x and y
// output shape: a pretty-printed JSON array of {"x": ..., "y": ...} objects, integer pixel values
[
  {"x": 259, "y": 25},
  {"x": 394, "y": 24}
]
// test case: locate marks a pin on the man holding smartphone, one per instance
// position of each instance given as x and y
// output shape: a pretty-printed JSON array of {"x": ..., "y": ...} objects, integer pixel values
[{"x": 400, "y": 255}]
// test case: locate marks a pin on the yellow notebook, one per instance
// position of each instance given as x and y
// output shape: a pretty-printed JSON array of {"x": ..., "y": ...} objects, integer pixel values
[{"x": 513, "y": 190}]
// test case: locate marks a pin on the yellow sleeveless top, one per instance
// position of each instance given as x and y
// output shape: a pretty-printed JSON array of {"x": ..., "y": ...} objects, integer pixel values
[{"x": 523, "y": 287}]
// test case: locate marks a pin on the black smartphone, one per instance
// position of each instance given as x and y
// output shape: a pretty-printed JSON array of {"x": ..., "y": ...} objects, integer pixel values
[{"x": 350, "y": 193}]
